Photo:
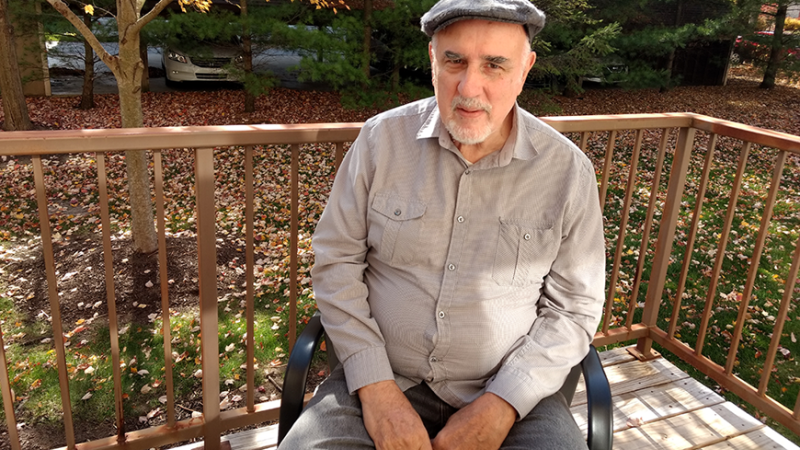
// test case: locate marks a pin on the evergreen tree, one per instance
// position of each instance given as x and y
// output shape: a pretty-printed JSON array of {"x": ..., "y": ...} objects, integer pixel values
[{"x": 571, "y": 44}]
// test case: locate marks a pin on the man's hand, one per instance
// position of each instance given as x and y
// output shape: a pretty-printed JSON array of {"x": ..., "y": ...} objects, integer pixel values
[
  {"x": 481, "y": 425},
  {"x": 390, "y": 419}
]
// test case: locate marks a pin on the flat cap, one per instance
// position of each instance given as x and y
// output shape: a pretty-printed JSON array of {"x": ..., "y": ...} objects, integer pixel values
[{"x": 521, "y": 12}]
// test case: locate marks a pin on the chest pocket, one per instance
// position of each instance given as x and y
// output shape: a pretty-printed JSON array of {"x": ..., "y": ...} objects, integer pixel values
[
  {"x": 525, "y": 252},
  {"x": 402, "y": 222}
]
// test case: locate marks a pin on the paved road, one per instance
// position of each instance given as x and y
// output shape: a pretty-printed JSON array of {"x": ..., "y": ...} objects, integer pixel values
[{"x": 69, "y": 55}]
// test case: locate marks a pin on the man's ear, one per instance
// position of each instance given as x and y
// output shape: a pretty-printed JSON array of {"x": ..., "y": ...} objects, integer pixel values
[
  {"x": 433, "y": 62},
  {"x": 531, "y": 60}
]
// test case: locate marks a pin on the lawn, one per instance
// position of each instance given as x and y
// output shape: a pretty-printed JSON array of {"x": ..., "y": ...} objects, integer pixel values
[{"x": 74, "y": 216}]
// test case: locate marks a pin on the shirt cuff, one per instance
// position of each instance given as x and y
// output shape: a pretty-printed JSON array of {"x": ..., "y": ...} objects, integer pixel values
[
  {"x": 518, "y": 390},
  {"x": 367, "y": 367}
]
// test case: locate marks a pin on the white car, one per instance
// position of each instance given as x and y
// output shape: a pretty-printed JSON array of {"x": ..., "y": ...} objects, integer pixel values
[{"x": 210, "y": 62}]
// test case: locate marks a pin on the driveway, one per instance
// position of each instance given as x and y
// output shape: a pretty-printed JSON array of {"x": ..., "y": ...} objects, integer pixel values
[{"x": 69, "y": 55}]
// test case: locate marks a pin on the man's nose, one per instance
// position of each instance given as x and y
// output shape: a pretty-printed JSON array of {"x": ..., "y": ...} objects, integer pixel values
[{"x": 471, "y": 82}]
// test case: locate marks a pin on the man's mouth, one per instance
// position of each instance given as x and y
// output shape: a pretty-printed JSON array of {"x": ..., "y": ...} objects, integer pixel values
[
  {"x": 470, "y": 108},
  {"x": 470, "y": 113}
]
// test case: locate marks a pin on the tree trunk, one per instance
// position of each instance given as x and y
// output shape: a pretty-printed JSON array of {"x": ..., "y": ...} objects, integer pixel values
[
  {"x": 396, "y": 77},
  {"x": 14, "y": 106},
  {"x": 776, "y": 49},
  {"x": 671, "y": 57},
  {"x": 129, "y": 83},
  {"x": 365, "y": 57},
  {"x": 247, "y": 47},
  {"x": 143, "y": 56},
  {"x": 87, "y": 96}
]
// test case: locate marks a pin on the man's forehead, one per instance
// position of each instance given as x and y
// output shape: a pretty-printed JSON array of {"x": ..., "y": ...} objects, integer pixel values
[
  {"x": 467, "y": 38},
  {"x": 463, "y": 26}
]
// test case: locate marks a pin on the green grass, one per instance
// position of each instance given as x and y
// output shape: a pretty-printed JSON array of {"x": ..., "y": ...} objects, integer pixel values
[{"x": 34, "y": 373}]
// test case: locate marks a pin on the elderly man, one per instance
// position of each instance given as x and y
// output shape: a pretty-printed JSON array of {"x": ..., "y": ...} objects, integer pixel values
[{"x": 460, "y": 260}]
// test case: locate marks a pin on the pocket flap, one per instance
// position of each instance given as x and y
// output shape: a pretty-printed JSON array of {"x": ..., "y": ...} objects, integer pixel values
[{"x": 397, "y": 208}]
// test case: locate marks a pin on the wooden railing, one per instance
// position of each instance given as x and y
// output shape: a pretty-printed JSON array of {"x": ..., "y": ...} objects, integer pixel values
[{"x": 639, "y": 279}]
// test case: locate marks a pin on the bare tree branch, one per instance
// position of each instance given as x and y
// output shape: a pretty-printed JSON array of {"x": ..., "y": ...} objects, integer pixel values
[
  {"x": 96, "y": 8},
  {"x": 152, "y": 14},
  {"x": 111, "y": 61}
]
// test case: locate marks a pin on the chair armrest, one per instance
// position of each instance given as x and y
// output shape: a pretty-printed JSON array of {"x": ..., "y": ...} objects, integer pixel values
[
  {"x": 598, "y": 395},
  {"x": 294, "y": 382}
]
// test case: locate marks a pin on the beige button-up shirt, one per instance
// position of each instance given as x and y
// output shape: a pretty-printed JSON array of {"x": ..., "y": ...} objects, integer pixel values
[{"x": 471, "y": 278}]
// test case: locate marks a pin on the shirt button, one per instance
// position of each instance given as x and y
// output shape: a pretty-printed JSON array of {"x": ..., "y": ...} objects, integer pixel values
[
  {"x": 527, "y": 237},
  {"x": 452, "y": 267},
  {"x": 461, "y": 219},
  {"x": 397, "y": 212},
  {"x": 433, "y": 359},
  {"x": 467, "y": 172},
  {"x": 441, "y": 314}
]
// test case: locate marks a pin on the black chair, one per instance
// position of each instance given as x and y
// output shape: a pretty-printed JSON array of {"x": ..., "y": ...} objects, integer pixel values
[{"x": 598, "y": 392}]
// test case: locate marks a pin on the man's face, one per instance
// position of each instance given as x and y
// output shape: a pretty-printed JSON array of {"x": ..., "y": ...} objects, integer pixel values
[{"x": 479, "y": 68}]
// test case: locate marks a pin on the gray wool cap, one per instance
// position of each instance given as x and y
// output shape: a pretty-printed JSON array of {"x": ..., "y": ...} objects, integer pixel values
[{"x": 521, "y": 12}]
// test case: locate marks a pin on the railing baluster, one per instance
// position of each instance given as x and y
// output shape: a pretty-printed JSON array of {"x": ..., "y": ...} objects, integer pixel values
[
  {"x": 612, "y": 138},
  {"x": 164, "y": 280},
  {"x": 623, "y": 225},
  {"x": 723, "y": 244},
  {"x": 52, "y": 290},
  {"x": 780, "y": 320},
  {"x": 796, "y": 415},
  {"x": 108, "y": 262},
  {"x": 338, "y": 155},
  {"x": 584, "y": 140},
  {"x": 687, "y": 257},
  {"x": 648, "y": 223},
  {"x": 666, "y": 234},
  {"x": 249, "y": 202},
  {"x": 755, "y": 260},
  {"x": 294, "y": 245},
  {"x": 207, "y": 268},
  {"x": 624, "y": 220},
  {"x": 8, "y": 398}
]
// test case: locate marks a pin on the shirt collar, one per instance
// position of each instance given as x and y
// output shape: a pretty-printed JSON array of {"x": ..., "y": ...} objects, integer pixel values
[{"x": 433, "y": 128}]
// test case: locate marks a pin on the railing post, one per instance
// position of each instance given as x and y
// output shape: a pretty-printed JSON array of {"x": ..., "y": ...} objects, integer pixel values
[
  {"x": 207, "y": 276},
  {"x": 666, "y": 234}
]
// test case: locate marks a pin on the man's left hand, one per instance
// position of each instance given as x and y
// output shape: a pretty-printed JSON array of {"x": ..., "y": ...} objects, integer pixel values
[{"x": 481, "y": 425}]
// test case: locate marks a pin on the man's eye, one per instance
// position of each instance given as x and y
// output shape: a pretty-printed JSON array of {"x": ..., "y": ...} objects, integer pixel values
[
  {"x": 455, "y": 61},
  {"x": 493, "y": 66}
]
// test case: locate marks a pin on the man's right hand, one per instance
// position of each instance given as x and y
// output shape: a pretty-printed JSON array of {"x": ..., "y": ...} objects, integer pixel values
[{"x": 390, "y": 419}]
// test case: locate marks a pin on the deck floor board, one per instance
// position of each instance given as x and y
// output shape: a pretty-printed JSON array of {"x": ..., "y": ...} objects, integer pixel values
[{"x": 656, "y": 406}]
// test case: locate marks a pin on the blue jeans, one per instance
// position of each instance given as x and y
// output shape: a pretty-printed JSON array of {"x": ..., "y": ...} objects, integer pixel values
[{"x": 332, "y": 420}]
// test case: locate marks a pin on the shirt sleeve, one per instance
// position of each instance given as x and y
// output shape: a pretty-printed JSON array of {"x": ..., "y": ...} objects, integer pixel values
[
  {"x": 340, "y": 248},
  {"x": 569, "y": 308}
]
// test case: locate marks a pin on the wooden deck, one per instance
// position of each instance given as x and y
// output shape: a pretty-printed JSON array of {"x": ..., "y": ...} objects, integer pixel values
[{"x": 656, "y": 406}]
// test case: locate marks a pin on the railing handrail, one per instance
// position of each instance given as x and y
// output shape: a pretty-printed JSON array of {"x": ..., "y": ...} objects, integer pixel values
[{"x": 120, "y": 139}]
